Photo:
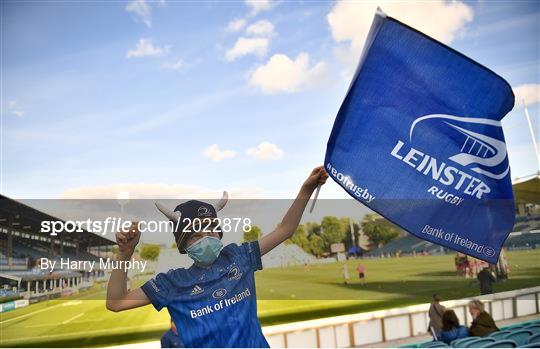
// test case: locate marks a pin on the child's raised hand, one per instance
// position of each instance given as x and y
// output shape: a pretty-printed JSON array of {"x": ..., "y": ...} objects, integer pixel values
[
  {"x": 316, "y": 177},
  {"x": 128, "y": 239}
]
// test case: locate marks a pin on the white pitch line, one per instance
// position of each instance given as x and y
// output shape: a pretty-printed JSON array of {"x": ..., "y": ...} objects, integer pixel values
[
  {"x": 88, "y": 333},
  {"x": 68, "y": 303},
  {"x": 56, "y": 324},
  {"x": 28, "y": 314},
  {"x": 71, "y": 319}
]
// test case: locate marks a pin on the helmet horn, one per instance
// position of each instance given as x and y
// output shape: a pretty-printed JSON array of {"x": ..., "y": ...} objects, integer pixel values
[
  {"x": 173, "y": 216},
  {"x": 222, "y": 202}
]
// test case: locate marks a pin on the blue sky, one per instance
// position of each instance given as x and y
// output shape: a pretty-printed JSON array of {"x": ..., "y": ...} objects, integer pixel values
[{"x": 181, "y": 98}]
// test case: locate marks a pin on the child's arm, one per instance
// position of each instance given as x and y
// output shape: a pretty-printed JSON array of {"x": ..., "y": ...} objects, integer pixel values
[
  {"x": 118, "y": 297},
  {"x": 288, "y": 225}
]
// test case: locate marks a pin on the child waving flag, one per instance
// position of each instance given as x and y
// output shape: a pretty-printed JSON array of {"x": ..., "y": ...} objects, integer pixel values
[{"x": 213, "y": 301}]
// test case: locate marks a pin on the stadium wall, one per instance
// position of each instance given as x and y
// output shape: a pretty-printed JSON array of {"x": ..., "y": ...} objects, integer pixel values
[
  {"x": 20, "y": 303},
  {"x": 391, "y": 324}
]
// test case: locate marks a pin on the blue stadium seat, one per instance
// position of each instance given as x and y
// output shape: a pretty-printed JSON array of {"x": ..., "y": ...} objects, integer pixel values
[
  {"x": 521, "y": 337},
  {"x": 479, "y": 343},
  {"x": 437, "y": 344},
  {"x": 499, "y": 334},
  {"x": 535, "y": 327},
  {"x": 514, "y": 327},
  {"x": 427, "y": 344},
  {"x": 534, "y": 338},
  {"x": 459, "y": 343},
  {"x": 505, "y": 343}
]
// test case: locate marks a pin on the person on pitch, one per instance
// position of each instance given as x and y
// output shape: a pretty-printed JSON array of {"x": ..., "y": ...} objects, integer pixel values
[{"x": 213, "y": 301}]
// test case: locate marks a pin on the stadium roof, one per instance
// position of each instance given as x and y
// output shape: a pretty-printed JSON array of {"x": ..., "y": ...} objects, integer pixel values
[
  {"x": 527, "y": 189},
  {"x": 26, "y": 219},
  {"x": 33, "y": 276}
]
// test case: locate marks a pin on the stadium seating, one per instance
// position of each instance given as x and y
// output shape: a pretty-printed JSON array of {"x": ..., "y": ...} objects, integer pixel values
[
  {"x": 406, "y": 245},
  {"x": 498, "y": 335},
  {"x": 505, "y": 343},
  {"x": 532, "y": 345},
  {"x": 526, "y": 236},
  {"x": 460, "y": 343},
  {"x": 478, "y": 343},
  {"x": 287, "y": 255},
  {"x": 437, "y": 344},
  {"x": 534, "y": 338},
  {"x": 533, "y": 327},
  {"x": 524, "y": 240},
  {"x": 521, "y": 337}
]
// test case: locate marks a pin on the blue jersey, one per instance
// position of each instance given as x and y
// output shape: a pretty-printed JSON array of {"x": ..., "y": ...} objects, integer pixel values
[
  {"x": 214, "y": 306},
  {"x": 454, "y": 333},
  {"x": 171, "y": 340}
]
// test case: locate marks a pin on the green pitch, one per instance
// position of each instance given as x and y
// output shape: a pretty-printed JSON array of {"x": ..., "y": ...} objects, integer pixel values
[{"x": 285, "y": 295}]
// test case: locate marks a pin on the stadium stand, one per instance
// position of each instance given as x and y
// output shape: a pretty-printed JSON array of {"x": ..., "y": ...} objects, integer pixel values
[
  {"x": 22, "y": 245},
  {"x": 289, "y": 255},
  {"x": 522, "y": 335},
  {"x": 409, "y": 244},
  {"x": 525, "y": 234},
  {"x": 526, "y": 238},
  {"x": 283, "y": 255}
]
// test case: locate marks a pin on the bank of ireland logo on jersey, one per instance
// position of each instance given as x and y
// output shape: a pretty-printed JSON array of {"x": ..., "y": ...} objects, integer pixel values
[{"x": 219, "y": 293}]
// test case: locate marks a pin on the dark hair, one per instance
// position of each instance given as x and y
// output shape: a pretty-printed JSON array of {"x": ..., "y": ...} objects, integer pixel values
[
  {"x": 449, "y": 320},
  {"x": 436, "y": 297}
]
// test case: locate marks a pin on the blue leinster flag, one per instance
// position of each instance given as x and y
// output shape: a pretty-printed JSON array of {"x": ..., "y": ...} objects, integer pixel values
[{"x": 419, "y": 140}]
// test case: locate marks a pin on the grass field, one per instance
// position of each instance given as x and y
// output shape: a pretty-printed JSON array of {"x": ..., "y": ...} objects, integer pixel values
[{"x": 285, "y": 295}]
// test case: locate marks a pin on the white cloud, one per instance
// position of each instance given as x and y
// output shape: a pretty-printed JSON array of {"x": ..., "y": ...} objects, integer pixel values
[
  {"x": 145, "y": 48},
  {"x": 281, "y": 74},
  {"x": 215, "y": 154},
  {"x": 258, "y": 6},
  {"x": 236, "y": 25},
  {"x": 179, "y": 64},
  {"x": 246, "y": 46},
  {"x": 350, "y": 22},
  {"x": 157, "y": 191},
  {"x": 141, "y": 10},
  {"x": 265, "y": 151},
  {"x": 261, "y": 28},
  {"x": 14, "y": 109},
  {"x": 527, "y": 94}
]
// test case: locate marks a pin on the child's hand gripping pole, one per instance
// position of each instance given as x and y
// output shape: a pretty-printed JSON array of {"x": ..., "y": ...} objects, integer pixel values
[{"x": 315, "y": 198}]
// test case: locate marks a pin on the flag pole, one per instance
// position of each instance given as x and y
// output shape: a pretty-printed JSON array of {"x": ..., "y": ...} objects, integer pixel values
[
  {"x": 535, "y": 145},
  {"x": 315, "y": 198}
]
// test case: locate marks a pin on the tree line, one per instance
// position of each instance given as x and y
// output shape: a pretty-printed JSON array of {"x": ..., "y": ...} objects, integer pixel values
[{"x": 316, "y": 237}]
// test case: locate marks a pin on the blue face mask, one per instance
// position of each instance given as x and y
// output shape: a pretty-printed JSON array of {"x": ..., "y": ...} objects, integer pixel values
[{"x": 205, "y": 250}]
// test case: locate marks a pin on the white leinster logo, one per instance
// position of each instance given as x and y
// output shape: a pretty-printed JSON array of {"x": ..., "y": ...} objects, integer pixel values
[
  {"x": 203, "y": 212},
  {"x": 476, "y": 148},
  {"x": 234, "y": 273}
]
